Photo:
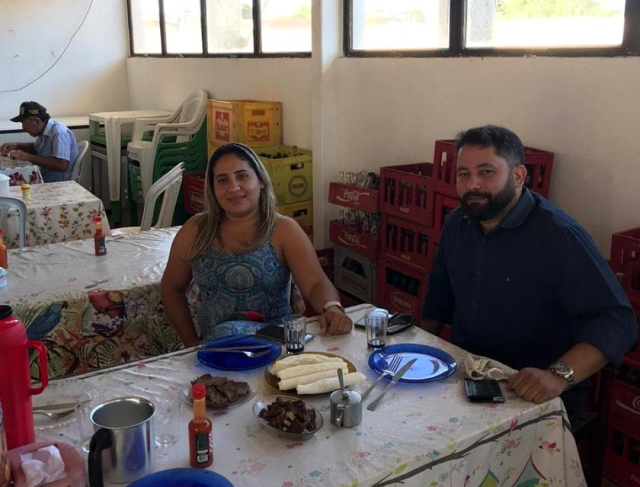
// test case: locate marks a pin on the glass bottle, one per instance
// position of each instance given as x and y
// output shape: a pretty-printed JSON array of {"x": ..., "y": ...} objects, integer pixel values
[
  {"x": 200, "y": 430},
  {"x": 4, "y": 261},
  {"x": 99, "y": 237}
]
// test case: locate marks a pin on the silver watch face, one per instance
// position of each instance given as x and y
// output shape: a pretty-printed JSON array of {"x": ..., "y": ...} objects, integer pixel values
[{"x": 562, "y": 368}]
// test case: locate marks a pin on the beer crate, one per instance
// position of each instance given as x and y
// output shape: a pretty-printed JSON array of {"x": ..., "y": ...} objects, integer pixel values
[
  {"x": 355, "y": 274},
  {"x": 539, "y": 165},
  {"x": 358, "y": 242},
  {"x": 408, "y": 243},
  {"x": 632, "y": 357},
  {"x": 302, "y": 213},
  {"x": 625, "y": 401},
  {"x": 254, "y": 123},
  {"x": 291, "y": 172},
  {"x": 625, "y": 260},
  {"x": 364, "y": 199},
  {"x": 211, "y": 148},
  {"x": 193, "y": 192},
  {"x": 444, "y": 205},
  {"x": 622, "y": 454},
  {"x": 401, "y": 288},
  {"x": 407, "y": 192}
]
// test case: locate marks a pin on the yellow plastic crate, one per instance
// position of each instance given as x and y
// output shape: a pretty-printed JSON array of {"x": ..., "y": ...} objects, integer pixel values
[
  {"x": 211, "y": 148},
  {"x": 291, "y": 172},
  {"x": 302, "y": 213},
  {"x": 254, "y": 123}
]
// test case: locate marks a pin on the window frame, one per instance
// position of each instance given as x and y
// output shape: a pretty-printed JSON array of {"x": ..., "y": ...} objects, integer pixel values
[
  {"x": 257, "y": 38},
  {"x": 630, "y": 42}
]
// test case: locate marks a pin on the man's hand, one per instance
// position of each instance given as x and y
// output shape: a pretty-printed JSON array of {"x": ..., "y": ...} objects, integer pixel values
[
  {"x": 20, "y": 155},
  {"x": 8, "y": 147},
  {"x": 334, "y": 322},
  {"x": 537, "y": 385}
]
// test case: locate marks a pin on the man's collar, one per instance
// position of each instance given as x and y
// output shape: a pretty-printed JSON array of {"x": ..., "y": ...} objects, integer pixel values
[
  {"x": 519, "y": 213},
  {"x": 48, "y": 128}
]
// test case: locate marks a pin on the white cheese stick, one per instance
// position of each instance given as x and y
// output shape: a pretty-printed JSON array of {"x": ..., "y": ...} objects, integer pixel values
[
  {"x": 288, "y": 384},
  {"x": 330, "y": 385},
  {"x": 294, "y": 360},
  {"x": 298, "y": 370}
]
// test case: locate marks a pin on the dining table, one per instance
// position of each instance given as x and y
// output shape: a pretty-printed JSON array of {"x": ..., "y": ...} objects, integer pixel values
[
  {"x": 423, "y": 433},
  {"x": 56, "y": 212},
  {"x": 20, "y": 172},
  {"x": 93, "y": 312}
]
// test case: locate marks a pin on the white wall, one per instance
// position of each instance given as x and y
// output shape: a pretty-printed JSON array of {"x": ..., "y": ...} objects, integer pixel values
[{"x": 90, "y": 77}]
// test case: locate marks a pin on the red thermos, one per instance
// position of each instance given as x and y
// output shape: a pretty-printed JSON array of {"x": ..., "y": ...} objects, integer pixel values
[{"x": 15, "y": 378}]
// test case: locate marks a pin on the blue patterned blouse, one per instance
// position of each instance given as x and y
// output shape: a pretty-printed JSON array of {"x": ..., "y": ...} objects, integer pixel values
[{"x": 229, "y": 283}]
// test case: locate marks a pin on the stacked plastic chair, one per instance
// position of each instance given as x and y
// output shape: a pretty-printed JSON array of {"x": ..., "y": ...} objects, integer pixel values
[{"x": 178, "y": 138}]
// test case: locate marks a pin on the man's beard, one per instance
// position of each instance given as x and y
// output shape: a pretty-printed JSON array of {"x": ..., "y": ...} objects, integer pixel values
[{"x": 495, "y": 204}]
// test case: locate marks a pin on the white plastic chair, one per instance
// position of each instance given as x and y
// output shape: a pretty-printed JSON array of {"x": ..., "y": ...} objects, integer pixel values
[
  {"x": 169, "y": 185},
  {"x": 6, "y": 204},
  {"x": 76, "y": 174},
  {"x": 184, "y": 123}
]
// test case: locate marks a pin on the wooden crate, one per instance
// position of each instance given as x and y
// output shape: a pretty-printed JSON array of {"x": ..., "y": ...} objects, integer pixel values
[{"x": 254, "y": 123}]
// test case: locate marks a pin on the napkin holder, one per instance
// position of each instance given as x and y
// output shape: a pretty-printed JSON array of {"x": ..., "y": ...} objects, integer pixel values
[{"x": 76, "y": 473}]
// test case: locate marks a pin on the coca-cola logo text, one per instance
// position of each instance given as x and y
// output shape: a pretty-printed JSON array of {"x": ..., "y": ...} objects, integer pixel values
[
  {"x": 351, "y": 240},
  {"x": 352, "y": 196}
]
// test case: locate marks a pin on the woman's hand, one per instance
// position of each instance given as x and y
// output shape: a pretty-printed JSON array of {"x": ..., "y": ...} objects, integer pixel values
[{"x": 334, "y": 322}]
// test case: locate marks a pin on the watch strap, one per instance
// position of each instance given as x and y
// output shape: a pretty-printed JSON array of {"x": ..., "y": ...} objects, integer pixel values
[{"x": 332, "y": 303}]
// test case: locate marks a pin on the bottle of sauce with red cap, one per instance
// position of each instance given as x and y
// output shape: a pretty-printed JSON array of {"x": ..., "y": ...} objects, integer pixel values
[
  {"x": 99, "y": 237},
  {"x": 200, "y": 436}
]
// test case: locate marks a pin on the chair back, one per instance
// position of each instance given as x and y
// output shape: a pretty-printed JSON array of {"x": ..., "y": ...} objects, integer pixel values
[
  {"x": 169, "y": 186},
  {"x": 76, "y": 174},
  {"x": 7, "y": 203}
]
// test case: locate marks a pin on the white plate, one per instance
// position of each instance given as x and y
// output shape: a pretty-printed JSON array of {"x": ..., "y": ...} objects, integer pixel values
[
  {"x": 62, "y": 392},
  {"x": 185, "y": 396}
]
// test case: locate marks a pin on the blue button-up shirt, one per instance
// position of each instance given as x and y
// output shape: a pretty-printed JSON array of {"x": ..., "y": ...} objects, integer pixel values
[
  {"x": 57, "y": 141},
  {"x": 528, "y": 291}
]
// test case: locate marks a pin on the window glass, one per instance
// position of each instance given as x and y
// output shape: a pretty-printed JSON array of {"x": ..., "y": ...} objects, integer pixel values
[
  {"x": 286, "y": 25},
  {"x": 183, "y": 26},
  {"x": 229, "y": 26},
  {"x": 145, "y": 27}
]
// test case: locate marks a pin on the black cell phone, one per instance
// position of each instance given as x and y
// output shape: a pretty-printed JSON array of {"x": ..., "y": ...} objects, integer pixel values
[
  {"x": 485, "y": 390},
  {"x": 276, "y": 332},
  {"x": 397, "y": 322}
]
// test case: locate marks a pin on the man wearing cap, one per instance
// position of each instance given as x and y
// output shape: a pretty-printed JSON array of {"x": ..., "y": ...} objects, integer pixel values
[{"x": 55, "y": 149}]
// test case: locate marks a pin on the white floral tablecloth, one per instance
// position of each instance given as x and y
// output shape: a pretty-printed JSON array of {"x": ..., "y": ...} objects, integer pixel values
[
  {"x": 20, "y": 171},
  {"x": 422, "y": 434},
  {"x": 57, "y": 212}
]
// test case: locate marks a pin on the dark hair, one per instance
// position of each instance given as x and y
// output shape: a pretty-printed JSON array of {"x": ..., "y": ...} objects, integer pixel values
[{"x": 505, "y": 142}]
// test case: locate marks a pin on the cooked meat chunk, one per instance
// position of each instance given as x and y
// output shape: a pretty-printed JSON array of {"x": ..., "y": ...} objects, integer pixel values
[
  {"x": 221, "y": 392},
  {"x": 290, "y": 416}
]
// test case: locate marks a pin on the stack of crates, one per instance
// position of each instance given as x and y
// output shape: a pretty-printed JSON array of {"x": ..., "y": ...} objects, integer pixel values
[
  {"x": 622, "y": 455},
  {"x": 356, "y": 251},
  {"x": 415, "y": 201},
  {"x": 258, "y": 124}
]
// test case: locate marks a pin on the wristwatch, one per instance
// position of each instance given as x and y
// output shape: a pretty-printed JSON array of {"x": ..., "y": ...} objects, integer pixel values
[
  {"x": 562, "y": 369},
  {"x": 333, "y": 303}
]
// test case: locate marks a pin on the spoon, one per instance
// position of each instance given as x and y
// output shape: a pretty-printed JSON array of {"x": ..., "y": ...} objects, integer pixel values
[
  {"x": 55, "y": 414},
  {"x": 345, "y": 394}
]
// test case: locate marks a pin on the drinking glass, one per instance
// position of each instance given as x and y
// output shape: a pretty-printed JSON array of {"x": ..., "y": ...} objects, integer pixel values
[
  {"x": 376, "y": 327},
  {"x": 295, "y": 329},
  {"x": 165, "y": 420}
]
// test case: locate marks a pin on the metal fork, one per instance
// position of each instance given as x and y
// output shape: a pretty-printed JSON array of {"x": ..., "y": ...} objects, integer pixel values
[
  {"x": 246, "y": 352},
  {"x": 389, "y": 370}
]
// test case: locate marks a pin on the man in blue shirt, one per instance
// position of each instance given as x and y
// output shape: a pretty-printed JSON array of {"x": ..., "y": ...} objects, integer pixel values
[
  {"x": 55, "y": 149},
  {"x": 521, "y": 281}
]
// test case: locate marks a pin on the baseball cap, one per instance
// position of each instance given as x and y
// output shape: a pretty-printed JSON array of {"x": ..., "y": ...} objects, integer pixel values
[{"x": 30, "y": 109}]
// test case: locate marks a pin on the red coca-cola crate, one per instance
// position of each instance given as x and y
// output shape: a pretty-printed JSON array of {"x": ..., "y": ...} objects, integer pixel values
[
  {"x": 632, "y": 357},
  {"x": 407, "y": 243},
  {"x": 401, "y": 288},
  {"x": 364, "y": 199},
  {"x": 444, "y": 205},
  {"x": 622, "y": 454},
  {"x": 408, "y": 192},
  {"x": 625, "y": 260},
  {"x": 625, "y": 401},
  {"x": 360, "y": 243},
  {"x": 539, "y": 165},
  {"x": 193, "y": 192}
]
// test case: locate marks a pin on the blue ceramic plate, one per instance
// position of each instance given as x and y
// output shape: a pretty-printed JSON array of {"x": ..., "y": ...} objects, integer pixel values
[
  {"x": 431, "y": 364},
  {"x": 183, "y": 477},
  {"x": 239, "y": 361}
]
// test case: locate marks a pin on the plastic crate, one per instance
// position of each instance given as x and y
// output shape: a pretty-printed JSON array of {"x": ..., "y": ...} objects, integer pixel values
[
  {"x": 408, "y": 243},
  {"x": 625, "y": 401},
  {"x": 193, "y": 192},
  {"x": 355, "y": 274},
  {"x": 302, "y": 213},
  {"x": 632, "y": 357},
  {"x": 408, "y": 192},
  {"x": 625, "y": 260},
  {"x": 254, "y": 123},
  {"x": 539, "y": 166},
  {"x": 354, "y": 197},
  {"x": 326, "y": 257},
  {"x": 401, "y": 288},
  {"x": 444, "y": 205},
  {"x": 291, "y": 172},
  {"x": 357, "y": 242},
  {"x": 622, "y": 454}
]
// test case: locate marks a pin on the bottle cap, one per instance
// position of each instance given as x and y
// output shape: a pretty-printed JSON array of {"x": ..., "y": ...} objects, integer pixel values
[
  {"x": 96, "y": 218},
  {"x": 25, "y": 186},
  {"x": 198, "y": 391}
]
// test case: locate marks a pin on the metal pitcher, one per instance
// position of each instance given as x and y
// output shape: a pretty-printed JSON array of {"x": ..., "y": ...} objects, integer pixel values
[
  {"x": 346, "y": 408},
  {"x": 123, "y": 446}
]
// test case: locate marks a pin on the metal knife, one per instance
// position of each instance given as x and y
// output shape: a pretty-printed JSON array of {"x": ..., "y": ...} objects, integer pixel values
[
  {"x": 398, "y": 375},
  {"x": 240, "y": 348}
]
